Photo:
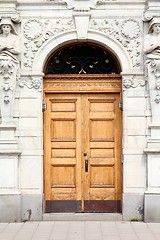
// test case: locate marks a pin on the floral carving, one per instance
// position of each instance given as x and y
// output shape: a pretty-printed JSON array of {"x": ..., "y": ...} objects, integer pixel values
[
  {"x": 6, "y": 68},
  {"x": 37, "y": 33},
  {"x": 34, "y": 82},
  {"x": 130, "y": 82},
  {"x": 155, "y": 66},
  {"x": 53, "y": 28},
  {"x": 130, "y": 39}
]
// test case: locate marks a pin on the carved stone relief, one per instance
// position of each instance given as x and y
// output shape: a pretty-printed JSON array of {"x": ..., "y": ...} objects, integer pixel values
[
  {"x": 34, "y": 82},
  {"x": 133, "y": 82},
  {"x": 9, "y": 67},
  {"x": 127, "y": 32},
  {"x": 36, "y": 32},
  {"x": 152, "y": 53},
  {"x": 152, "y": 56}
]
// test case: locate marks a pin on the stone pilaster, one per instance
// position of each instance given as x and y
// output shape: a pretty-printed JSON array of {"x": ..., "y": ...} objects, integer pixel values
[{"x": 152, "y": 55}]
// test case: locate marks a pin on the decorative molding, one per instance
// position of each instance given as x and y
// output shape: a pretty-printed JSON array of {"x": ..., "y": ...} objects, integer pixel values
[
  {"x": 7, "y": 70},
  {"x": 155, "y": 66},
  {"x": 33, "y": 82},
  {"x": 82, "y": 83},
  {"x": 154, "y": 80},
  {"x": 36, "y": 32},
  {"x": 157, "y": 99},
  {"x": 130, "y": 82},
  {"x": 16, "y": 18},
  {"x": 149, "y": 15},
  {"x": 58, "y": 1},
  {"x": 82, "y": 86},
  {"x": 72, "y": 4},
  {"x": 127, "y": 32}
]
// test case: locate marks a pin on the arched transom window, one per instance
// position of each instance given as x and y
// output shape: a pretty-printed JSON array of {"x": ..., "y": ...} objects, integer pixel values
[{"x": 82, "y": 59}]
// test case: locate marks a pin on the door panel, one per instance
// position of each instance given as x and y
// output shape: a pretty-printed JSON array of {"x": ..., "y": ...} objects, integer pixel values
[
  {"x": 82, "y": 149},
  {"x": 101, "y": 126},
  {"x": 62, "y": 146}
]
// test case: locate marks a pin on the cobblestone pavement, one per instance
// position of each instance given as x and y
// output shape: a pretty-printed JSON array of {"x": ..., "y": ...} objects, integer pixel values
[{"x": 80, "y": 230}]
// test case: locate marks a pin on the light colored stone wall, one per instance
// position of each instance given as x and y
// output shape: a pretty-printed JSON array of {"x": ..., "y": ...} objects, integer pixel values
[{"x": 43, "y": 27}]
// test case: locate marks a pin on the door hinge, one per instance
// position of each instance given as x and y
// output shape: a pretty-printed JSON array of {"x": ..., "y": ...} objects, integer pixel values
[
  {"x": 122, "y": 158},
  {"x": 44, "y": 106},
  {"x": 120, "y": 105}
]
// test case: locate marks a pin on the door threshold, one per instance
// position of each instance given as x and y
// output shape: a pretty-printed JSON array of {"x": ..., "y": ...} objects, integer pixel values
[{"x": 82, "y": 217}]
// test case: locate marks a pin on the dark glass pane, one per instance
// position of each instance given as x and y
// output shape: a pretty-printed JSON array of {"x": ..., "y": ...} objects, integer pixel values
[{"x": 82, "y": 59}]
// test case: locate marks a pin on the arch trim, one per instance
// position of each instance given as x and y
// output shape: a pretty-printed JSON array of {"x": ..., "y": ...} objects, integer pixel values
[{"x": 110, "y": 43}]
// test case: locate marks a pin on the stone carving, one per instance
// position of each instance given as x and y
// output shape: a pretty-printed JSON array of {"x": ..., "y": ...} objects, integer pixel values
[
  {"x": 152, "y": 40},
  {"x": 16, "y": 18},
  {"x": 9, "y": 67},
  {"x": 157, "y": 99},
  {"x": 33, "y": 29},
  {"x": 9, "y": 42},
  {"x": 81, "y": 86},
  {"x": 33, "y": 82},
  {"x": 130, "y": 29},
  {"x": 152, "y": 53},
  {"x": 37, "y": 32},
  {"x": 149, "y": 15},
  {"x": 126, "y": 32},
  {"x": 130, "y": 82}
]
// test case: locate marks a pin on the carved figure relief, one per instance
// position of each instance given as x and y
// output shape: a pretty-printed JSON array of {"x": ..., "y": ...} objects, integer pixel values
[
  {"x": 9, "y": 65},
  {"x": 9, "y": 42},
  {"x": 152, "y": 54}
]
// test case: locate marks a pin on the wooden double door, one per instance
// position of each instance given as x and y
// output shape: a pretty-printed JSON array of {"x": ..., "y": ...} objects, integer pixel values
[{"x": 82, "y": 152}]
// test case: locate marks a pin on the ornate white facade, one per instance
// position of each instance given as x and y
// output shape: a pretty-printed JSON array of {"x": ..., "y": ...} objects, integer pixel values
[{"x": 39, "y": 28}]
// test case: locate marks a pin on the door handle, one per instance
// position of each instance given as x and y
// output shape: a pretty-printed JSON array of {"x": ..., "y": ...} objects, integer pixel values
[{"x": 86, "y": 165}]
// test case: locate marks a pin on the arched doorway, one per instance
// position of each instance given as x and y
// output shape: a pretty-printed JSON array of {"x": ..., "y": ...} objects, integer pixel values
[{"x": 82, "y": 130}]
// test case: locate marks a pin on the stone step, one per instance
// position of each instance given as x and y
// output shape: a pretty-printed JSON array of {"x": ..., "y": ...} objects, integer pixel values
[{"x": 82, "y": 217}]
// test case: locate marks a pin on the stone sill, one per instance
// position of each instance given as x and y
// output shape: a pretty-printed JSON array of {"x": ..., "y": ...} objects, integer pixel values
[
  {"x": 10, "y": 152},
  {"x": 152, "y": 150},
  {"x": 153, "y": 191},
  {"x": 9, "y": 192},
  {"x": 7, "y": 126},
  {"x": 156, "y": 125}
]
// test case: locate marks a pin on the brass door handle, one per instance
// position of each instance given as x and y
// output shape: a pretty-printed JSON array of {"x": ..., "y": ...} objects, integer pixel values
[{"x": 86, "y": 165}]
